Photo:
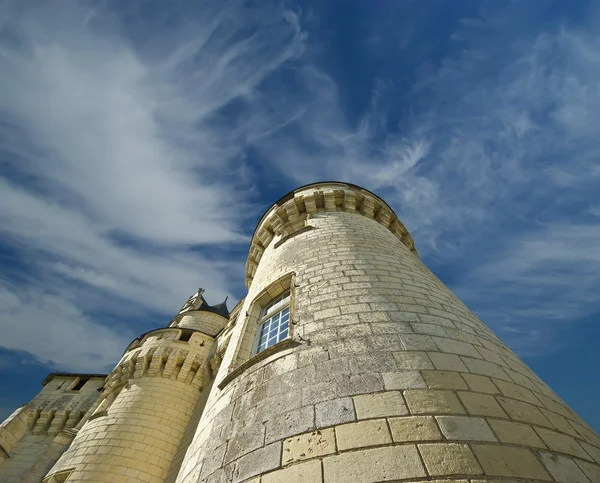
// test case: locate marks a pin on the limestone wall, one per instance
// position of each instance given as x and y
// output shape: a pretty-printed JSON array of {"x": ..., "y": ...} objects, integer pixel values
[
  {"x": 33, "y": 437},
  {"x": 389, "y": 377},
  {"x": 148, "y": 401}
]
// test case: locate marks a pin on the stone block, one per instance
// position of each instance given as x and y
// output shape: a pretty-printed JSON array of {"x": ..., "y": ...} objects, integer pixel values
[
  {"x": 243, "y": 442},
  {"x": 562, "y": 443},
  {"x": 513, "y": 391},
  {"x": 452, "y": 346},
  {"x": 522, "y": 411},
  {"x": 433, "y": 402},
  {"x": 373, "y": 432},
  {"x": 593, "y": 451},
  {"x": 334, "y": 412},
  {"x": 479, "y": 383},
  {"x": 381, "y": 464},
  {"x": 300, "y": 473},
  {"x": 417, "y": 343},
  {"x": 428, "y": 329},
  {"x": 498, "y": 460},
  {"x": 257, "y": 462},
  {"x": 327, "y": 313},
  {"x": 560, "y": 422},
  {"x": 444, "y": 380},
  {"x": 412, "y": 360},
  {"x": 308, "y": 445},
  {"x": 563, "y": 469},
  {"x": 516, "y": 433},
  {"x": 291, "y": 423},
  {"x": 447, "y": 362},
  {"x": 591, "y": 470},
  {"x": 403, "y": 380},
  {"x": 446, "y": 459},
  {"x": 481, "y": 404},
  {"x": 485, "y": 368},
  {"x": 389, "y": 403},
  {"x": 414, "y": 428},
  {"x": 465, "y": 428}
]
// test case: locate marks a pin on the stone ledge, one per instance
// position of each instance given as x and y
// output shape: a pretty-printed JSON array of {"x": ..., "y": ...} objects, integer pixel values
[
  {"x": 284, "y": 344},
  {"x": 289, "y": 215}
]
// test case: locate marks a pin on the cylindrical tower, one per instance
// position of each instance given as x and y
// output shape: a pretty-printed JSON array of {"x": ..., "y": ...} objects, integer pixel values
[
  {"x": 148, "y": 400},
  {"x": 351, "y": 362}
]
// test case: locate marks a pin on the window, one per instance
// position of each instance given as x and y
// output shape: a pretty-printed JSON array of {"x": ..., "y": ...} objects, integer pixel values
[
  {"x": 80, "y": 383},
  {"x": 186, "y": 335},
  {"x": 268, "y": 322},
  {"x": 273, "y": 323}
]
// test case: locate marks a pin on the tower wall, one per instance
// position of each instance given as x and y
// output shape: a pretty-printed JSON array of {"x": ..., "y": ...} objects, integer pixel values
[
  {"x": 34, "y": 436},
  {"x": 146, "y": 405},
  {"x": 388, "y": 376}
]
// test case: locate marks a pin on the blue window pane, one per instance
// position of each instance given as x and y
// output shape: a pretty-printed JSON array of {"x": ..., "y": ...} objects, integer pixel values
[{"x": 283, "y": 334}]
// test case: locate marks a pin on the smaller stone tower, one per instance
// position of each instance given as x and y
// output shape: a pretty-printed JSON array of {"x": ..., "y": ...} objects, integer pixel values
[
  {"x": 137, "y": 430},
  {"x": 35, "y": 435}
]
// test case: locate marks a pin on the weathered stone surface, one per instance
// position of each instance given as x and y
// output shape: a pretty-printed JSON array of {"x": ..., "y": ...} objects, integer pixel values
[
  {"x": 561, "y": 442},
  {"x": 481, "y": 404},
  {"x": 389, "y": 403},
  {"x": 377, "y": 464},
  {"x": 592, "y": 471},
  {"x": 300, "y": 473},
  {"x": 433, "y": 402},
  {"x": 257, "y": 462},
  {"x": 309, "y": 445},
  {"x": 337, "y": 411},
  {"x": 414, "y": 428},
  {"x": 362, "y": 434},
  {"x": 479, "y": 383},
  {"x": 444, "y": 380},
  {"x": 465, "y": 428},
  {"x": 449, "y": 459},
  {"x": 403, "y": 380},
  {"x": 516, "y": 433},
  {"x": 509, "y": 461}
]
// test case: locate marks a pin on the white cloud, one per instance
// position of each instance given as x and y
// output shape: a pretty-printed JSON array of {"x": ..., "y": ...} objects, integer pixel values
[
  {"x": 500, "y": 136},
  {"x": 57, "y": 332},
  {"x": 126, "y": 155},
  {"x": 122, "y": 175}
]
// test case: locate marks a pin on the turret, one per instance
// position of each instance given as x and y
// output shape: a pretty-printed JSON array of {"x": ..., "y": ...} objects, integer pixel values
[{"x": 138, "y": 426}]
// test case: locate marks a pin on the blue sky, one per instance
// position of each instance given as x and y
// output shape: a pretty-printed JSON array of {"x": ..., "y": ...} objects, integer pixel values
[{"x": 140, "y": 142}]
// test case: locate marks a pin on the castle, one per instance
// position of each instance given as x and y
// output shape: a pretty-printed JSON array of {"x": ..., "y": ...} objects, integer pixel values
[{"x": 348, "y": 361}]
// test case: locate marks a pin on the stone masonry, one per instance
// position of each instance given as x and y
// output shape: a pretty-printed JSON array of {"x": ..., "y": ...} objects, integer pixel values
[{"x": 385, "y": 376}]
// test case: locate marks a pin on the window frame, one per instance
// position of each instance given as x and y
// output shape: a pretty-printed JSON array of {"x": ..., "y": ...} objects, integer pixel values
[
  {"x": 243, "y": 355},
  {"x": 266, "y": 316}
]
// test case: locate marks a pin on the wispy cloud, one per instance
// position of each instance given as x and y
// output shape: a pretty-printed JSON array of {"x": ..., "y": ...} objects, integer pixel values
[
  {"x": 121, "y": 173},
  {"x": 135, "y": 155},
  {"x": 492, "y": 163}
]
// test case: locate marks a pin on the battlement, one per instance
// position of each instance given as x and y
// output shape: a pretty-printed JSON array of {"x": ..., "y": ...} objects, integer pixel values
[{"x": 288, "y": 215}]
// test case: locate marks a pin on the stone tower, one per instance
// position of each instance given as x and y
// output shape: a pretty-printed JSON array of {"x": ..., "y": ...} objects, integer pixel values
[
  {"x": 347, "y": 361},
  {"x": 382, "y": 374},
  {"x": 137, "y": 429}
]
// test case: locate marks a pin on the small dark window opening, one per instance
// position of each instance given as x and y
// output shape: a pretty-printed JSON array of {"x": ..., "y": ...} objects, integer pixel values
[
  {"x": 80, "y": 383},
  {"x": 186, "y": 335}
]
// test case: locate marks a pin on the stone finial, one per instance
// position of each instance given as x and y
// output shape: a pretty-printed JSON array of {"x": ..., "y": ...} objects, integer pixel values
[{"x": 193, "y": 302}]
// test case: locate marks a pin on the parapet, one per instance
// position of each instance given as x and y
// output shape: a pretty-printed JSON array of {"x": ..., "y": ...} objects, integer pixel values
[{"x": 288, "y": 215}]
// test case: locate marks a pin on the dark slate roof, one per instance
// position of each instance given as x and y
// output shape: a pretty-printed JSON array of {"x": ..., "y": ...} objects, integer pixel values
[{"x": 220, "y": 309}]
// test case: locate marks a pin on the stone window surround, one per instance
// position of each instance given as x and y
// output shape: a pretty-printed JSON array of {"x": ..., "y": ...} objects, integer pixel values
[
  {"x": 244, "y": 358},
  {"x": 270, "y": 315}
]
